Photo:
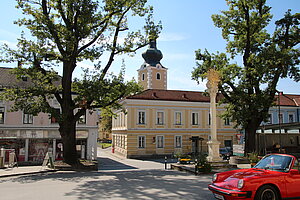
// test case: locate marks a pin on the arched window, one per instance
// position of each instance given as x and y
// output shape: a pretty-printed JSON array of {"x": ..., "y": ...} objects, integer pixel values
[
  {"x": 158, "y": 76},
  {"x": 143, "y": 77}
]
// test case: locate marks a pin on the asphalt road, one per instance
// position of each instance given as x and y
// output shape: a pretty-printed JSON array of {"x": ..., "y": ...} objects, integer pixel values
[{"x": 116, "y": 178}]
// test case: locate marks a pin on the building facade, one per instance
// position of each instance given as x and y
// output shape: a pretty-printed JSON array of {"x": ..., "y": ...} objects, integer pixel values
[
  {"x": 31, "y": 137},
  {"x": 162, "y": 122},
  {"x": 283, "y": 127},
  {"x": 166, "y": 122}
]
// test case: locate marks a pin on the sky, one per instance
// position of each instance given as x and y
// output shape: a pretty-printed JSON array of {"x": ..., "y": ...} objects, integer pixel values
[{"x": 187, "y": 27}]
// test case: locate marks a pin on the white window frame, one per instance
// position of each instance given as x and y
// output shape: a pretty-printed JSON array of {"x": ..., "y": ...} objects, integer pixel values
[
  {"x": 175, "y": 117},
  {"x": 280, "y": 118},
  {"x": 27, "y": 118},
  {"x": 82, "y": 119},
  {"x": 2, "y": 112},
  {"x": 162, "y": 119},
  {"x": 291, "y": 114},
  {"x": 176, "y": 142},
  {"x": 270, "y": 119},
  {"x": 138, "y": 117},
  {"x": 141, "y": 143},
  {"x": 160, "y": 141},
  {"x": 227, "y": 121},
  {"x": 192, "y": 118}
]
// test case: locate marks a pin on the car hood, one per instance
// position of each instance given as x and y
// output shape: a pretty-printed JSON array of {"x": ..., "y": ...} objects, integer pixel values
[{"x": 230, "y": 179}]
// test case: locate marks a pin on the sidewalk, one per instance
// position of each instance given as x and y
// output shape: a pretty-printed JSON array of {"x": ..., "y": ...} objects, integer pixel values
[{"x": 24, "y": 170}]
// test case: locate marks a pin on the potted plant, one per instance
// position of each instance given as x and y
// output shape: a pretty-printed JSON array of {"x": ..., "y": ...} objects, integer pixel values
[
  {"x": 202, "y": 165},
  {"x": 254, "y": 158}
]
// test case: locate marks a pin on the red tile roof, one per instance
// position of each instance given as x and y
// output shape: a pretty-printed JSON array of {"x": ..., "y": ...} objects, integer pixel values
[
  {"x": 191, "y": 96},
  {"x": 172, "y": 95},
  {"x": 288, "y": 100}
]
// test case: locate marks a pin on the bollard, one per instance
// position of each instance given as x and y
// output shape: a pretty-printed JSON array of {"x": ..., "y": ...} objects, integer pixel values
[{"x": 166, "y": 162}]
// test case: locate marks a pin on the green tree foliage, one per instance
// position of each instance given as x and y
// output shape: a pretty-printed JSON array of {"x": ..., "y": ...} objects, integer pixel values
[
  {"x": 65, "y": 32},
  {"x": 106, "y": 116},
  {"x": 249, "y": 89}
]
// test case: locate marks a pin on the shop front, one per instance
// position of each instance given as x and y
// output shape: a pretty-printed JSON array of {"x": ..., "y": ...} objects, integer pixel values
[{"x": 32, "y": 150}]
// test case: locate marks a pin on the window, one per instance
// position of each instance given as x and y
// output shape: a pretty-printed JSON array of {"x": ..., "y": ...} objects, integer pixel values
[
  {"x": 270, "y": 119},
  {"x": 195, "y": 118},
  {"x": 158, "y": 76},
  {"x": 160, "y": 118},
  {"x": 143, "y": 77},
  {"x": 141, "y": 117},
  {"x": 141, "y": 141},
  {"x": 280, "y": 117},
  {"x": 27, "y": 118},
  {"x": 291, "y": 118},
  {"x": 82, "y": 119},
  {"x": 2, "y": 115},
  {"x": 209, "y": 119},
  {"x": 178, "y": 118},
  {"x": 178, "y": 141},
  {"x": 227, "y": 122},
  {"x": 160, "y": 142},
  {"x": 53, "y": 119}
]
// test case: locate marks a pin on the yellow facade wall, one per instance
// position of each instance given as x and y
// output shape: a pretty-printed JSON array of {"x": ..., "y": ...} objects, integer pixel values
[{"x": 131, "y": 130}]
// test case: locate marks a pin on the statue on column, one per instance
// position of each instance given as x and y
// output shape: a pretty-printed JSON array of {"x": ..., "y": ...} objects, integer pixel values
[{"x": 213, "y": 77}]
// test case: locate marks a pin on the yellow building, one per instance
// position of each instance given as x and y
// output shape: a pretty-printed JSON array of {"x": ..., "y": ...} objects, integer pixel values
[{"x": 162, "y": 122}]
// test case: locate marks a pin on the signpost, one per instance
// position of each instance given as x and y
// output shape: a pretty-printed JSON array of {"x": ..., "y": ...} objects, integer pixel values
[{"x": 48, "y": 160}]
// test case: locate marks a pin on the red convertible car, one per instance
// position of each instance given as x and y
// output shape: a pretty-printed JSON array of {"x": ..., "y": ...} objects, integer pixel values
[{"x": 275, "y": 177}]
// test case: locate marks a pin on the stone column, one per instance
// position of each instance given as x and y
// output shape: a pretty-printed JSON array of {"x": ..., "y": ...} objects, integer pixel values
[{"x": 213, "y": 143}]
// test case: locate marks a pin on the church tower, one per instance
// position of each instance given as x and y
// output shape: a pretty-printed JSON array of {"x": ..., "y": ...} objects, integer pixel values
[{"x": 152, "y": 75}]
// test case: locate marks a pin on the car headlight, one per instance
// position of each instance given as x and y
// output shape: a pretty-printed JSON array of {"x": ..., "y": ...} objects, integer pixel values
[
  {"x": 240, "y": 183},
  {"x": 214, "y": 178}
]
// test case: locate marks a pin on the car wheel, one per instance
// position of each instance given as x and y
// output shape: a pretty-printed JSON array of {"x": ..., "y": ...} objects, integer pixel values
[{"x": 266, "y": 192}]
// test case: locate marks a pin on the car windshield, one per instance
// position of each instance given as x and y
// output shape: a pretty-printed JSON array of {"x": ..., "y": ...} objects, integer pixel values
[{"x": 275, "y": 162}]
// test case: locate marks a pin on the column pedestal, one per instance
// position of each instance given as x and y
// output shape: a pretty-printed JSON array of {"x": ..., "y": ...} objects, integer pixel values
[{"x": 213, "y": 151}]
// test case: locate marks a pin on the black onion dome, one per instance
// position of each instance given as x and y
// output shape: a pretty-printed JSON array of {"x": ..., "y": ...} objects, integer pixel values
[{"x": 152, "y": 56}]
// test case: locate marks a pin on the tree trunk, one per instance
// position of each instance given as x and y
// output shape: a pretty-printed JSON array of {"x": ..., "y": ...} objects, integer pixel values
[
  {"x": 250, "y": 136},
  {"x": 68, "y": 123},
  {"x": 68, "y": 134}
]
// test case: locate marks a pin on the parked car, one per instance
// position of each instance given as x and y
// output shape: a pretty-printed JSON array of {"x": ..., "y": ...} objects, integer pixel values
[
  {"x": 274, "y": 177},
  {"x": 225, "y": 153}
]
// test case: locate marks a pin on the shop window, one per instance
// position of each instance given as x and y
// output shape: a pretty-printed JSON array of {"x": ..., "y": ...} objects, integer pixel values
[
  {"x": 178, "y": 141},
  {"x": 195, "y": 118},
  {"x": 141, "y": 142},
  {"x": 27, "y": 118},
  {"x": 160, "y": 141},
  {"x": 82, "y": 119},
  {"x": 2, "y": 115}
]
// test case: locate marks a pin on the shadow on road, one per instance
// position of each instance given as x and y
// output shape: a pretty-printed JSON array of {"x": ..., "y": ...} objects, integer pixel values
[
  {"x": 136, "y": 184},
  {"x": 109, "y": 164}
]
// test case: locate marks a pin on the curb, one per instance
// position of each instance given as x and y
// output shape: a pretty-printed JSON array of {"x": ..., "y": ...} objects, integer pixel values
[{"x": 28, "y": 173}]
